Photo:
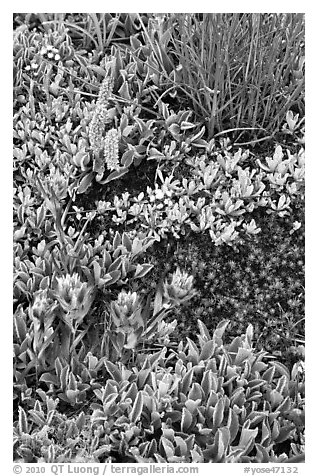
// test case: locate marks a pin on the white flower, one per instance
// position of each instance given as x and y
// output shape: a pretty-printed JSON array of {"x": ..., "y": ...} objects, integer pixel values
[
  {"x": 296, "y": 226},
  {"x": 111, "y": 150}
]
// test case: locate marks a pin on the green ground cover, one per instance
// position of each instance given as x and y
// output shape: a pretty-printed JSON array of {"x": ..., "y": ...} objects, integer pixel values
[{"x": 158, "y": 237}]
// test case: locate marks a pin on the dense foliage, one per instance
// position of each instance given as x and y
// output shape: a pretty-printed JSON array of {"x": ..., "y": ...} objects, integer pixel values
[{"x": 139, "y": 220}]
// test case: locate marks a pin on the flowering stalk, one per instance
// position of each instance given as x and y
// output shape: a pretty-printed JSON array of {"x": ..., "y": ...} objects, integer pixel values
[
  {"x": 111, "y": 150},
  {"x": 101, "y": 116}
]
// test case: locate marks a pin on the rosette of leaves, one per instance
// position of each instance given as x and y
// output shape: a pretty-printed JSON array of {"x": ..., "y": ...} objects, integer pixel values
[
  {"x": 209, "y": 403},
  {"x": 115, "y": 261}
]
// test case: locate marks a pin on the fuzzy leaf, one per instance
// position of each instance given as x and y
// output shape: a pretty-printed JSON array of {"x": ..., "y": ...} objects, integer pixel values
[
  {"x": 204, "y": 333},
  {"x": 224, "y": 440},
  {"x": 195, "y": 392},
  {"x": 158, "y": 299},
  {"x": 137, "y": 408},
  {"x": 284, "y": 433},
  {"x": 159, "y": 458},
  {"x": 113, "y": 370},
  {"x": 219, "y": 331},
  {"x": 192, "y": 405},
  {"x": 80, "y": 421},
  {"x": 49, "y": 379},
  {"x": 132, "y": 391},
  {"x": 124, "y": 91},
  {"x": 97, "y": 271},
  {"x": 218, "y": 413},
  {"x": 266, "y": 434},
  {"x": 111, "y": 277},
  {"x": 152, "y": 448},
  {"x": 256, "y": 417},
  {"x": 23, "y": 421},
  {"x": 107, "y": 260},
  {"x": 284, "y": 406},
  {"x": 186, "y": 381},
  {"x": 126, "y": 241},
  {"x": 20, "y": 326},
  {"x": 37, "y": 417},
  {"x": 85, "y": 182},
  {"x": 45, "y": 283},
  {"x": 186, "y": 125},
  {"x": 247, "y": 438},
  {"x": 275, "y": 398},
  {"x": 174, "y": 416},
  {"x": 155, "y": 154},
  {"x": 180, "y": 444},
  {"x": 142, "y": 270},
  {"x": 115, "y": 264},
  {"x": 282, "y": 385},
  {"x": 117, "y": 241},
  {"x": 206, "y": 383},
  {"x": 242, "y": 355},
  {"x": 186, "y": 420},
  {"x": 198, "y": 136},
  {"x": 102, "y": 450},
  {"x": 71, "y": 395},
  {"x": 193, "y": 352},
  {"x": 115, "y": 175},
  {"x": 232, "y": 424},
  {"x": 142, "y": 377},
  {"x": 268, "y": 375},
  {"x": 64, "y": 377},
  {"x": 50, "y": 416},
  {"x": 168, "y": 448},
  {"x": 127, "y": 158},
  {"x": 256, "y": 383},
  {"x": 262, "y": 455},
  {"x": 207, "y": 350}
]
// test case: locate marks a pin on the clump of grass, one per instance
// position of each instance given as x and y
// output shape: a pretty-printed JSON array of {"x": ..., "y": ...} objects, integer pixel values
[{"x": 248, "y": 67}]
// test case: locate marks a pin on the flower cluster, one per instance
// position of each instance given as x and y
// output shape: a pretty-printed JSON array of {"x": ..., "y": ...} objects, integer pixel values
[
  {"x": 105, "y": 91},
  {"x": 41, "y": 306},
  {"x": 111, "y": 149},
  {"x": 179, "y": 289},
  {"x": 100, "y": 116},
  {"x": 74, "y": 296},
  {"x": 126, "y": 317},
  {"x": 50, "y": 52},
  {"x": 164, "y": 331}
]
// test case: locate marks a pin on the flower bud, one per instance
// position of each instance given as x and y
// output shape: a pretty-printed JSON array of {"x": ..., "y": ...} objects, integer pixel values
[
  {"x": 41, "y": 306},
  {"x": 164, "y": 330},
  {"x": 126, "y": 311},
  {"x": 126, "y": 318},
  {"x": 74, "y": 297},
  {"x": 180, "y": 288},
  {"x": 41, "y": 313}
]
